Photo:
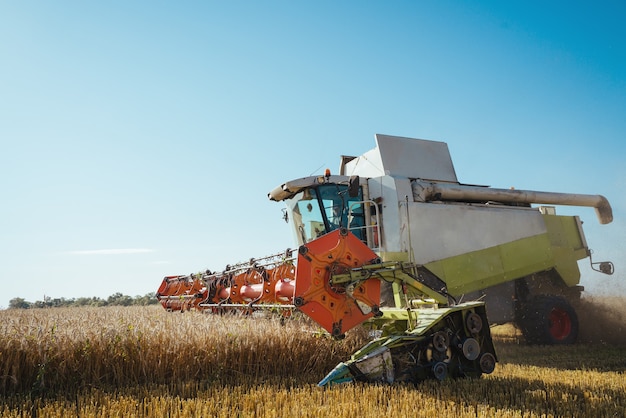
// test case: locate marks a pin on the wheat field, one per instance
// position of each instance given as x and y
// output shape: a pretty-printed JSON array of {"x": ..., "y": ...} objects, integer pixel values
[{"x": 145, "y": 362}]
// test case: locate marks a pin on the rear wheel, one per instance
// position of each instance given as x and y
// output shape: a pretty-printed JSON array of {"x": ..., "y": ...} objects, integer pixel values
[{"x": 549, "y": 320}]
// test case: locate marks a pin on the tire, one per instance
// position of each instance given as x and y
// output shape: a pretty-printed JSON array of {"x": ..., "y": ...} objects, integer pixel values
[{"x": 549, "y": 320}]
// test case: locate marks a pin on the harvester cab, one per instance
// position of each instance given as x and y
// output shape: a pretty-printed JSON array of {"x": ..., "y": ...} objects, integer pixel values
[{"x": 324, "y": 204}]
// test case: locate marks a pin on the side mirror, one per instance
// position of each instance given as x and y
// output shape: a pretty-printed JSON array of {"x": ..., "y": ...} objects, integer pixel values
[
  {"x": 353, "y": 187},
  {"x": 605, "y": 267}
]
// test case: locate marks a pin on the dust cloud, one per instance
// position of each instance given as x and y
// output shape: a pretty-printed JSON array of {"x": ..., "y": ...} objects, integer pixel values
[{"x": 602, "y": 320}]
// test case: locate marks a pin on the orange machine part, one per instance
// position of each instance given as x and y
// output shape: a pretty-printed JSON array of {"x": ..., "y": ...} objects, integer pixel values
[
  {"x": 259, "y": 285},
  {"x": 181, "y": 293},
  {"x": 284, "y": 290},
  {"x": 243, "y": 281},
  {"x": 328, "y": 305},
  {"x": 283, "y": 277},
  {"x": 254, "y": 285}
]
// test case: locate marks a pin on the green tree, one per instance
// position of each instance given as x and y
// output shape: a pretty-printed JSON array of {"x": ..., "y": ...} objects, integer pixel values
[
  {"x": 120, "y": 299},
  {"x": 18, "y": 303},
  {"x": 116, "y": 299},
  {"x": 147, "y": 299}
]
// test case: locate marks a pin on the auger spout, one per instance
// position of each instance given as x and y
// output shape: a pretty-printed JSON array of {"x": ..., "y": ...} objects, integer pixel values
[{"x": 428, "y": 191}]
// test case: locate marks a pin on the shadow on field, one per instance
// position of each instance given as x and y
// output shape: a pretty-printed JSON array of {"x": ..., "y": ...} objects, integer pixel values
[
  {"x": 533, "y": 397},
  {"x": 539, "y": 396},
  {"x": 582, "y": 356}
]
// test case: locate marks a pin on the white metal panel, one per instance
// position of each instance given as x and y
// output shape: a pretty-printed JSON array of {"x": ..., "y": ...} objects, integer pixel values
[
  {"x": 367, "y": 165},
  {"x": 415, "y": 158},
  {"x": 405, "y": 157},
  {"x": 385, "y": 188},
  {"x": 440, "y": 230}
]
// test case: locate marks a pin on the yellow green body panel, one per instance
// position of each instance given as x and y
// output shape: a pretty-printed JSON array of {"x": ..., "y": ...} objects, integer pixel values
[
  {"x": 559, "y": 248},
  {"x": 394, "y": 256},
  {"x": 568, "y": 246}
]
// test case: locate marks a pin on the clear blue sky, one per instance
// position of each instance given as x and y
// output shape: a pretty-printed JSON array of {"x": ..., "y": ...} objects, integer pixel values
[{"x": 139, "y": 139}]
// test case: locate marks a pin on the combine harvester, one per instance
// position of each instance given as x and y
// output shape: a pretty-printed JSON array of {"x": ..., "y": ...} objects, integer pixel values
[{"x": 397, "y": 242}]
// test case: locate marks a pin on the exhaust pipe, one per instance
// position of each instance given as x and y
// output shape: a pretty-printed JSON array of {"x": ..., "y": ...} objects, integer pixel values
[{"x": 427, "y": 191}]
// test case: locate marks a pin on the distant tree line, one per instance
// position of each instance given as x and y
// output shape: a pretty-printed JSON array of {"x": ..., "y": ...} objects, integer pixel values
[{"x": 116, "y": 299}]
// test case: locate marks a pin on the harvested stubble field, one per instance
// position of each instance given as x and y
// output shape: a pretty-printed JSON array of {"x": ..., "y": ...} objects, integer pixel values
[{"x": 144, "y": 362}]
